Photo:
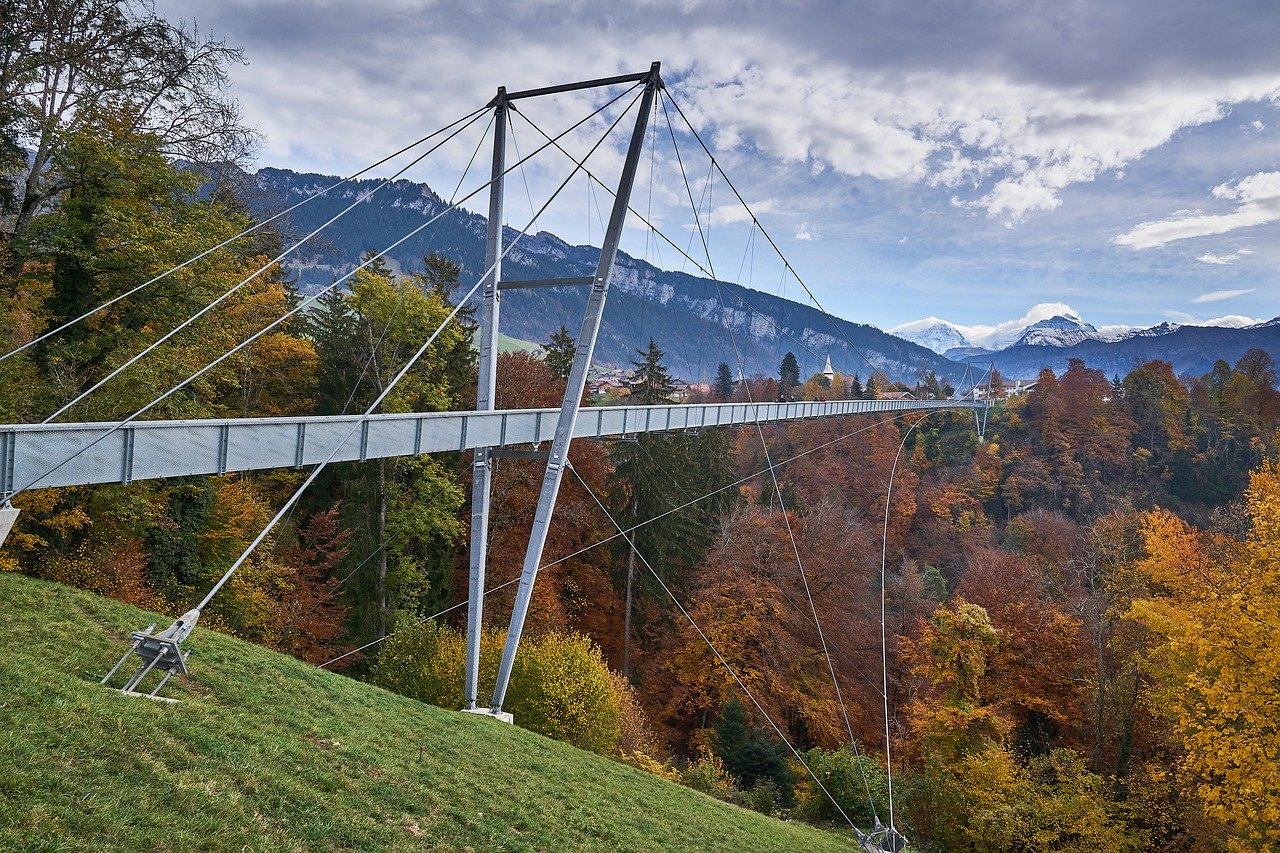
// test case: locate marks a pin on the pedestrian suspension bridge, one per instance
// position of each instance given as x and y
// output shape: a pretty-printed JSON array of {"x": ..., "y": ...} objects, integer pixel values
[{"x": 51, "y": 455}]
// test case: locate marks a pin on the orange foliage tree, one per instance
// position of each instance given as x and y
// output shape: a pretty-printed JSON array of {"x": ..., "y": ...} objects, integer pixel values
[{"x": 1218, "y": 658}]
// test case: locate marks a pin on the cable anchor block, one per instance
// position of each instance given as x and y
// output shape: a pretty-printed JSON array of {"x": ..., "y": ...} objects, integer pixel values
[
  {"x": 159, "y": 651},
  {"x": 882, "y": 839}
]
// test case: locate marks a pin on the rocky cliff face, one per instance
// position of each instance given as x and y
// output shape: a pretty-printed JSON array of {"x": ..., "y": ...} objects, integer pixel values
[{"x": 697, "y": 322}]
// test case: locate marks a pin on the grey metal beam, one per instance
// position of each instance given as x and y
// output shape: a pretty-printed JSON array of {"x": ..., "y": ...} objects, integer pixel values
[
  {"x": 574, "y": 87},
  {"x": 486, "y": 390},
  {"x": 574, "y": 281},
  {"x": 187, "y": 447},
  {"x": 507, "y": 453}
]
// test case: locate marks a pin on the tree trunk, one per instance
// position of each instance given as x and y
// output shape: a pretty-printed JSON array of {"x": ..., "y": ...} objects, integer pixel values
[
  {"x": 382, "y": 548},
  {"x": 626, "y": 615},
  {"x": 1100, "y": 701}
]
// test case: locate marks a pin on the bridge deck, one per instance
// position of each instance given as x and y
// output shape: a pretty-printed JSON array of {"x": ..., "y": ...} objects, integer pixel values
[{"x": 152, "y": 449}]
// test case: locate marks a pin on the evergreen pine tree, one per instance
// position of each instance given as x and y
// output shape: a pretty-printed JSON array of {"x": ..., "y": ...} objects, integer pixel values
[
  {"x": 441, "y": 276},
  {"x": 788, "y": 374},
  {"x": 855, "y": 388},
  {"x": 559, "y": 353},
  {"x": 751, "y": 755},
  {"x": 723, "y": 387},
  {"x": 872, "y": 391},
  {"x": 732, "y": 738},
  {"x": 333, "y": 330},
  {"x": 651, "y": 383}
]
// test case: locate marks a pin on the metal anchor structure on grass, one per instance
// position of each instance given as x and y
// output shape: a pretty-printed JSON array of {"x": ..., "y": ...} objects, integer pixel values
[
  {"x": 163, "y": 651},
  {"x": 882, "y": 839},
  {"x": 160, "y": 651}
]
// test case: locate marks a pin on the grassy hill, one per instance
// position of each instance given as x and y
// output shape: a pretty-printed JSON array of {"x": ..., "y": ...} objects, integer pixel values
[
  {"x": 267, "y": 753},
  {"x": 506, "y": 343}
]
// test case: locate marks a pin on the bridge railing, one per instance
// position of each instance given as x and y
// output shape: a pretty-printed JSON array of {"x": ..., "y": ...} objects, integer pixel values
[{"x": 152, "y": 449}]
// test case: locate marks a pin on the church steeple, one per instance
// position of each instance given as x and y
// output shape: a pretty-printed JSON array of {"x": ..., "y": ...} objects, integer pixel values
[{"x": 827, "y": 371}]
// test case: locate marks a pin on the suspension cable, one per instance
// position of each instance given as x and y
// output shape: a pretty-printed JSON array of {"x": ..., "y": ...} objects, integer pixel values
[
  {"x": 676, "y": 246},
  {"x": 309, "y": 301},
  {"x": 786, "y": 263},
  {"x": 786, "y": 519},
  {"x": 404, "y": 370},
  {"x": 728, "y": 668},
  {"x": 228, "y": 293},
  {"x": 884, "y": 641},
  {"x": 231, "y": 240},
  {"x": 395, "y": 309}
]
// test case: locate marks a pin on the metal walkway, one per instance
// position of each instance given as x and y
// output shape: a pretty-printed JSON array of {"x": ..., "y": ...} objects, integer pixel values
[{"x": 146, "y": 450}]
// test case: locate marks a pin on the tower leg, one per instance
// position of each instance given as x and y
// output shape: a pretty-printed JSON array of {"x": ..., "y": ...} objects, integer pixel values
[{"x": 486, "y": 386}]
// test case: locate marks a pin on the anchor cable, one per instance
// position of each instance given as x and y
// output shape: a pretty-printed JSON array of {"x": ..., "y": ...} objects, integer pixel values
[
  {"x": 303, "y": 305},
  {"x": 231, "y": 240},
  {"x": 405, "y": 369}
]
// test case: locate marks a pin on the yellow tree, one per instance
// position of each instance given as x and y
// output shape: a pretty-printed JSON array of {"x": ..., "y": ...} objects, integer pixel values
[
  {"x": 973, "y": 793},
  {"x": 1218, "y": 658}
]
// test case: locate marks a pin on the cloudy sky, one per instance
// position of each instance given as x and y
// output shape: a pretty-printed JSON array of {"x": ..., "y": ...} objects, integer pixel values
[{"x": 960, "y": 159}]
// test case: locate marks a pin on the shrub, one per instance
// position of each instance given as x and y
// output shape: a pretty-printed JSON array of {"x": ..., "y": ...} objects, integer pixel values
[
  {"x": 425, "y": 662},
  {"x": 560, "y": 685},
  {"x": 638, "y": 744},
  {"x": 707, "y": 775},
  {"x": 842, "y": 774},
  {"x": 762, "y": 798},
  {"x": 562, "y": 688}
]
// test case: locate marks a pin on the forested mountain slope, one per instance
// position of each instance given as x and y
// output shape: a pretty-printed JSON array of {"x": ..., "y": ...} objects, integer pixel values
[{"x": 689, "y": 318}]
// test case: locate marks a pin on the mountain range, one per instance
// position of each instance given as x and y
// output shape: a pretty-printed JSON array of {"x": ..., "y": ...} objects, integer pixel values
[
  {"x": 1023, "y": 348},
  {"x": 696, "y": 321}
]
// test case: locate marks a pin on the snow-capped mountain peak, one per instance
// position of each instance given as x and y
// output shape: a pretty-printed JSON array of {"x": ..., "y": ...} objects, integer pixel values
[
  {"x": 931, "y": 332},
  {"x": 1156, "y": 331},
  {"x": 1048, "y": 324},
  {"x": 1060, "y": 330}
]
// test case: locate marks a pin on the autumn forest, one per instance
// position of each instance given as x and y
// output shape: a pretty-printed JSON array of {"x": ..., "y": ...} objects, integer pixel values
[{"x": 1081, "y": 631}]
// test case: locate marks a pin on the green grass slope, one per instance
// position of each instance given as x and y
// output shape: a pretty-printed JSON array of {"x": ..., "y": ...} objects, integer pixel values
[
  {"x": 267, "y": 753},
  {"x": 506, "y": 343}
]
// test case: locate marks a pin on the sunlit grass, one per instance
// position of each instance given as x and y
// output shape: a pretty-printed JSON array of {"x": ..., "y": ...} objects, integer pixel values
[{"x": 267, "y": 753}]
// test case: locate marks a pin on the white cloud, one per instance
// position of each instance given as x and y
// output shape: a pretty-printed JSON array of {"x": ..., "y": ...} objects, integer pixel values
[
  {"x": 1115, "y": 331},
  {"x": 1007, "y": 111},
  {"x": 1233, "y": 321},
  {"x": 1018, "y": 145},
  {"x": 1223, "y": 260},
  {"x": 1258, "y": 202},
  {"x": 1219, "y": 295},
  {"x": 729, "y": 214},
  {"x": 803, "y": 232}
]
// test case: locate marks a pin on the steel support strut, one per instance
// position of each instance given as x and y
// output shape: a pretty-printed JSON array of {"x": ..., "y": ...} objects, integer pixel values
[
  {"x": 486, "y": 385},
  {"x": 586, "y": 344}
]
